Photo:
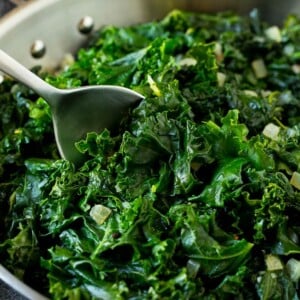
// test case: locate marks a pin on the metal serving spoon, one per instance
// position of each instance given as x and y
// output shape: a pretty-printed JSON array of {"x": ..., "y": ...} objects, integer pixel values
[{"x": 77, "y": 111}]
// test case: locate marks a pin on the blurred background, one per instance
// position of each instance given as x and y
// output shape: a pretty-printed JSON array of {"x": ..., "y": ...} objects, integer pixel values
[{"x": 7, "y": 5}]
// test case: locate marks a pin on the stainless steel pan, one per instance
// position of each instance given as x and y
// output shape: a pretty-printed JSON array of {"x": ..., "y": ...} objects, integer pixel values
[
  {"x": 55, "y": 22},
  {"x": 43, "y": 31}
]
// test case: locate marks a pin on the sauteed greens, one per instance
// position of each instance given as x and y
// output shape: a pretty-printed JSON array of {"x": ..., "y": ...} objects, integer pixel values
[{"x": 195, "y": 196}]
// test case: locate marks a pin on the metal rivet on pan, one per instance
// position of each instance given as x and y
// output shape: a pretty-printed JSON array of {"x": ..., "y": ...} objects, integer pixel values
[
  {"x": 38, "y": 49},
  {"x": 86, "y": 25}
]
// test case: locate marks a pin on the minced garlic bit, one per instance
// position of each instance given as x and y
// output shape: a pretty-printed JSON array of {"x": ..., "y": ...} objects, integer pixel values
[
  {"x": 293, "y": 269},
  {"x": 271, "y": 131},
  {"x": 266, "y": 93},
  {"x": 99, "y": 213},
  {"x": 296, "y": 68},
  {"x": 273, "y": 33},
  {"x": 218, "y": 52},
  {"x": 295, "y": 180},
  {"x": 273, "y": 263},
  {"x": 289, "y": 49},
  {"x": 187, "y": 61},
  {"x": 259, "y": 68},
  {"x": 221, "y": 77},
  {"x": 250, "y": 93}
]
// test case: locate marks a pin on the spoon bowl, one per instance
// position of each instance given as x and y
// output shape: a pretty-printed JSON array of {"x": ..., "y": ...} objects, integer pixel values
[
  {"x": 75, "y": 112},
  {"x": 82, "y": 110}
]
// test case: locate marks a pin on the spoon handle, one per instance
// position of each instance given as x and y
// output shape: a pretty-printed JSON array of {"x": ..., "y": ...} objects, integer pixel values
[{"x": 16, "y": 70}]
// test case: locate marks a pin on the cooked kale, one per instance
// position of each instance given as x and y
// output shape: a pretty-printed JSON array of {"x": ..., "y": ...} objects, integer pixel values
[{"x": 196, "y": 196}]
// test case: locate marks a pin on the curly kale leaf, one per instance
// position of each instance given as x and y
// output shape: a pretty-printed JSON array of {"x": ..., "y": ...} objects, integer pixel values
[{"x": 185, "y": 200}]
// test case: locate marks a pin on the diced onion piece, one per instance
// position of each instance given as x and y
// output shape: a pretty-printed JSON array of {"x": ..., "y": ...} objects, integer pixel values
[
  {"x": 289, "y": 49},
  {"x": 221, "y": 77},
  {"x": 68, "y": 60},
  {"x": 293, "y": 269},
  {"x": 273, "y": 263},
  {"x": 187, "y": 61},
  {"x": 260, "y": 39},
  {"x": 271, "y": 131},
  {"x": 266, "y": 93},
  {"x": 218, "y": 49},
  {"x": 99, "y": 213},
  {"x": 273, "y": 33},
  {"x": 193, "y": 267},
  {"x": 250, "y": 93},
  {"x": 295, "y": 180},
  {"x": 218, "y": 52},
  {"x": 259, "y": 68},
  {"x": 153, "y": 86},
  {"x": 296, "y": 68}
]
